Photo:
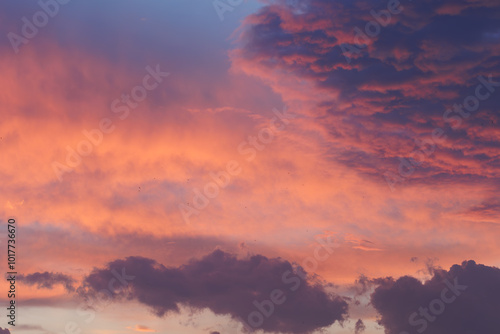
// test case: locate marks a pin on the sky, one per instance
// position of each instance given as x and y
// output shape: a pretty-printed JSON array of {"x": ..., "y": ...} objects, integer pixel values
[{"x": 243, "y": 166}]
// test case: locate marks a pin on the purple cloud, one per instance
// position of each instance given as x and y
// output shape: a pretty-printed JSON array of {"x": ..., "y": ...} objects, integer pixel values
[
  {"x": 359, "y": 327},
  {"x": 463, "y": 300},
  {"x": 47, "y": 280},
  {"x": 226, "y": 285}
]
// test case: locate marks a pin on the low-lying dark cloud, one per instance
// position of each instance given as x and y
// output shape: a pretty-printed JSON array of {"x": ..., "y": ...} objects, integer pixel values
[
  {"x": 463, "y": 300},
  {"x": 4, "y": 331},
  {"x": 227, "y": 286},
  {"x": 47, "y": 280}
]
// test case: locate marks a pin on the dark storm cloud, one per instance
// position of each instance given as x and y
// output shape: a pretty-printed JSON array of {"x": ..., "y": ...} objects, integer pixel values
[
  {"x": 225, "y": 285},
  {"x": 463, "y": 300},
  {"x": 397, "y": 84},
  {"x": 47, "y": 280}
]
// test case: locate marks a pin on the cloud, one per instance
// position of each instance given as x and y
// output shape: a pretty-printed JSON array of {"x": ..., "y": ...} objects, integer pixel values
[
  {"x": 227, "y": 286},
  {"x": 4, "y": 331},
  {"x": 463, "y": 300},
  {"x": 47, "y": 280},
  {"x": 359, "y": 327},
  {"x": 378, "y": 105}
]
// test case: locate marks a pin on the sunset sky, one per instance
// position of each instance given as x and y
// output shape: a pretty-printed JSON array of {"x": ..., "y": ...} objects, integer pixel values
[{"x": 277, "y": 166}]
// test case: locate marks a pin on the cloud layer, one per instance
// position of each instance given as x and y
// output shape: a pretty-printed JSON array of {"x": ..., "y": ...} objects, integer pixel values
[
  {"x": 365, "y": 101},
  {"x": 382, "y": 77}
]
